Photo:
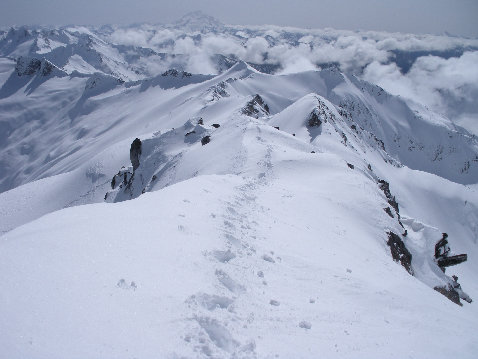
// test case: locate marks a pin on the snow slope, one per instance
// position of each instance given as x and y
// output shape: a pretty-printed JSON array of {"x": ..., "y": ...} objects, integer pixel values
[{"x": 283, "y": 262}]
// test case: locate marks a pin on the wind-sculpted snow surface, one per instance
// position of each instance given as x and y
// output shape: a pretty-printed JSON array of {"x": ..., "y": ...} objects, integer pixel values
[{"x": 235, "y": 215}]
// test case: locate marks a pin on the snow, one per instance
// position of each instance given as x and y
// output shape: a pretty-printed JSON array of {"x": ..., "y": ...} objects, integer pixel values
[
  {"x": 77, "y": 63},
  {"x": 158, "y": 242},
  {"x": 270, "y": 240}
]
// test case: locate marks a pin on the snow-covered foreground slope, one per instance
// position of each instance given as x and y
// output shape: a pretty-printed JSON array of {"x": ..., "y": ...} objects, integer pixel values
[
  {"x": 291, "y": 261},
  {"x": 238, "y": 215}
]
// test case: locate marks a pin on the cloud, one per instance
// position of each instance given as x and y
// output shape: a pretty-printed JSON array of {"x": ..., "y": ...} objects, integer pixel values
[
  {"x": 448, "y": 86},
  {"x": 219, "y": 44},
  {"x": 186, "y": 46},
  {"x": 445, "y": 85},
  {"x": 351, "y": 52},
  {"x": 162, "y": 36},
  {"x": 133, "y": 37},
  {"x": 256, "y": 48}
]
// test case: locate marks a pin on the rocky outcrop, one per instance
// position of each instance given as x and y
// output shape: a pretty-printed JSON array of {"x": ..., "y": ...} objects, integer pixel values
[
  {"x": 400, "y": 253},
  {"x": 122, "y": 178},
  {"x": 313, "y": 120},
  {"x": 218, "y": 91},
  {"x": 176, "y": 73},
  {"x": 454, "y": 292},
  {"x": 135, "y": 153},
  {"x": 205, "y": 140},
  {"x": 449, "y": 292},
  {"x": 153, "y": 164},
  {"x": 385, "y": 187},
  {"x": 28, "y": 66},
  {"x": 256, "y": 107}
]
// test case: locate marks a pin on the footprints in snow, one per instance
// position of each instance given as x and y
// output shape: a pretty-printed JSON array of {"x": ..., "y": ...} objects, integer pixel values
[
  {"x": 125, "y": 286},
  {"x": 229, "y": 283},
  {"x": 239, "y": 271},
  {"x": 224, "y": 256},
  {"x": 211, "y": 302},
  {"x": 306, "y": 325},
  {"x": 212, "y": 312}
]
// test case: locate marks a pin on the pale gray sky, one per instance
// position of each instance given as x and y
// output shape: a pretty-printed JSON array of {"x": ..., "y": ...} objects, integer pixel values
[{"x": 416, "y": 16}]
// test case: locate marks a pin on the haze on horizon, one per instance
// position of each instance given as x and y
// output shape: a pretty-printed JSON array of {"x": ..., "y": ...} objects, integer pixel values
[{"x": 456, "y": 17}]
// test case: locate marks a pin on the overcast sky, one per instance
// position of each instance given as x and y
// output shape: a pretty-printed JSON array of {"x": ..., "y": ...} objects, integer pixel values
[{"x": 416, "y": 16}]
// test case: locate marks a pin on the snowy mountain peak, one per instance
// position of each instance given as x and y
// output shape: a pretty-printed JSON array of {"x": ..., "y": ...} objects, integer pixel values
[
  {"x": 198, "y": 21},
  {"x": 240, "y": 69}
]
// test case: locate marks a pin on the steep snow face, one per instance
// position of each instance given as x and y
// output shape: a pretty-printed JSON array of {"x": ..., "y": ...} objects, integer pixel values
[{"x": 246, "y": 213}]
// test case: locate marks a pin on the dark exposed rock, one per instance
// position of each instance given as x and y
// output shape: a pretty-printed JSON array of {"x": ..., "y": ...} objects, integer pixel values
[
  {"x": 388, "y": 211},
  {"x": 313, "y": 120},
  {"x": 135, "y": 153},
  {"x": 449, "y": 292},
  {"x": 256, "y": 107},
  {"x": 47, "y": 68},
  {"x": 190, "y": 133},
  {"x": 205, "y": 140},
  {"x": 200, "y": 121},
  {"x": 399, "y": 252},
  {"x": 176, "y": 73},
  {"x": 277, "y": 127},
  {"x": 379, "y": 142},
  {"x": 216, "y": 125},
  {"x": 385, "y": 187},
  {"x": 27, "y": 66},
  {"x": 312, "y": 151},
  {"x": 218, "y": 91},
  {"x": 344, "y": 137},
  {"x": 121, "y": 179},
  {"x": 351, "y": 166},
  {"x": 452, "y": 260},
  {"x": 392, "y": 202}
]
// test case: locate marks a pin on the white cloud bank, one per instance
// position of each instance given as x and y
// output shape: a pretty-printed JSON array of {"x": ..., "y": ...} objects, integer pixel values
[
  {"x": 445, "y": 84},
  {"x": 448, "y": 86}
]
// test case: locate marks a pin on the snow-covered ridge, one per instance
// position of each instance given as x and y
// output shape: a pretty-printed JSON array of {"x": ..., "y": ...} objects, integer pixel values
[{"x": 421, "y": 141}]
